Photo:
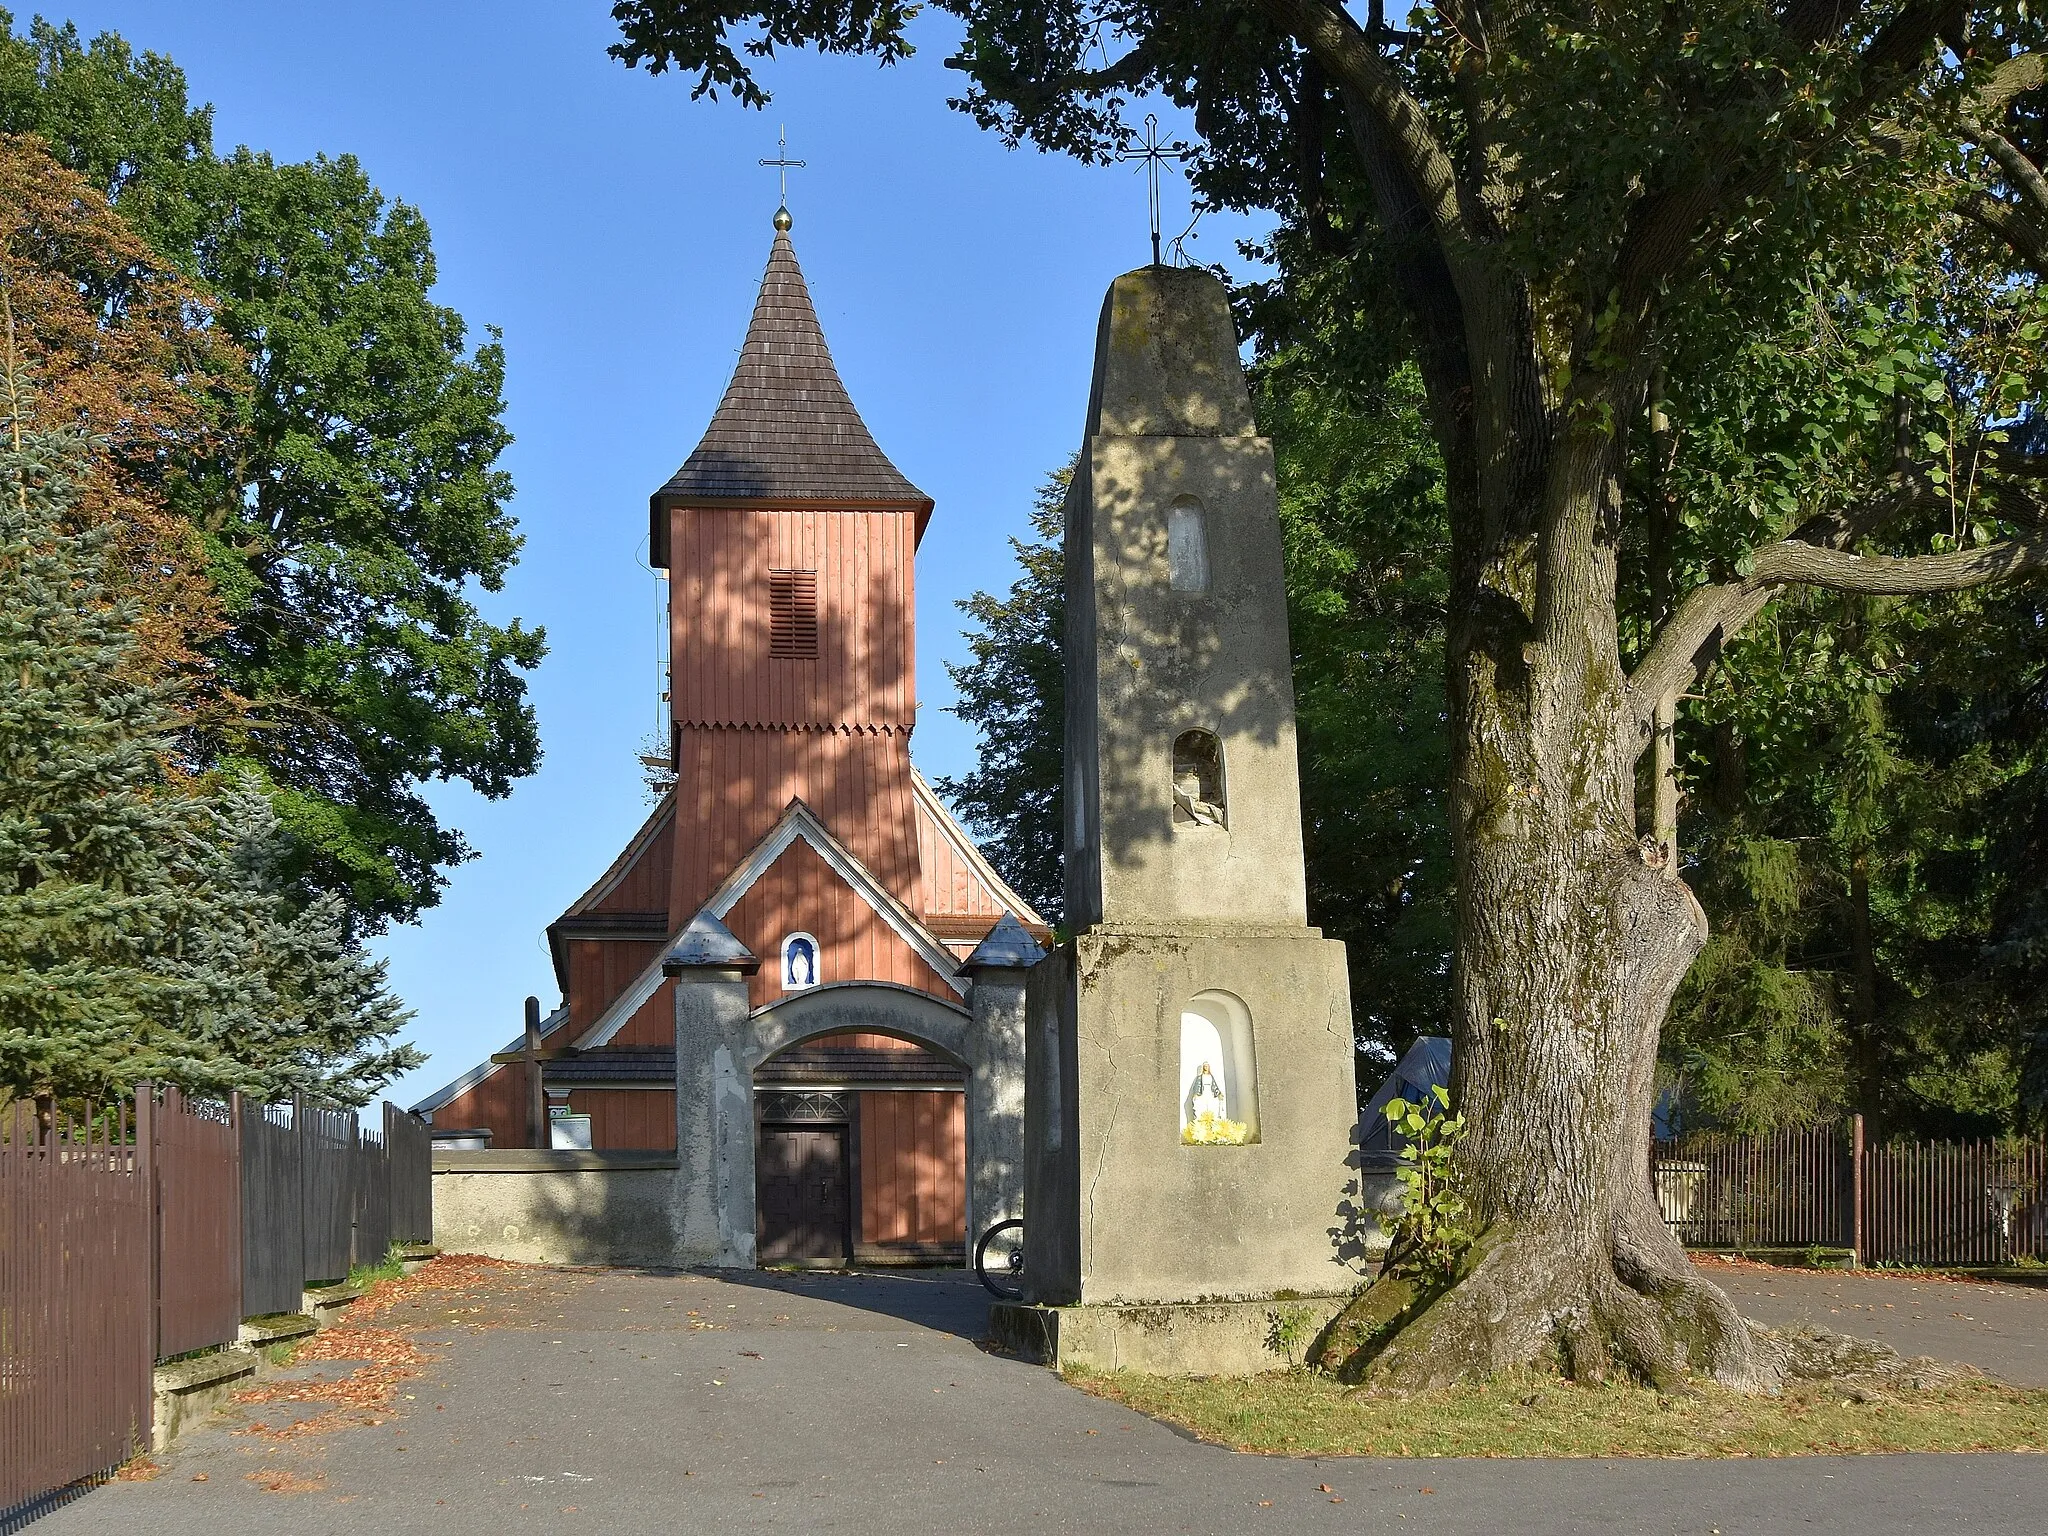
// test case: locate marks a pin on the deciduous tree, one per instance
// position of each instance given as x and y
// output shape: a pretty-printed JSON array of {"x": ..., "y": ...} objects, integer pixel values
[{"x": 349, "y": 500}]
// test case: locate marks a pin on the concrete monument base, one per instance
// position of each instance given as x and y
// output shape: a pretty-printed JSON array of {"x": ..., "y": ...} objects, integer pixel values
[
  {"x": 1121, "y": 1209},
  {"x": 1224, "y": 1338}
]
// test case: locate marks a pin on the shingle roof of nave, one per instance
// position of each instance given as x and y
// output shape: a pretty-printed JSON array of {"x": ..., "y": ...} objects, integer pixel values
[{"x": 786, "y": 427}]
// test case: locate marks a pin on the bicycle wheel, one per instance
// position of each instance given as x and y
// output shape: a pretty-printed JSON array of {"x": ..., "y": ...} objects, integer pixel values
[{"x": 999, "y": 1260}]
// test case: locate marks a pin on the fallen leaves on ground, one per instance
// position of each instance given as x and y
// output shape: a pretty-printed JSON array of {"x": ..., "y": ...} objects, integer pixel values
[
  {"x": 443, "y": 1272},
  {"x": 139, "y": 1470},
  {"x": 1713, "y": 1261},
  {"x": 279, "y": 1480},
  {"x": 362, "y": 1397}
]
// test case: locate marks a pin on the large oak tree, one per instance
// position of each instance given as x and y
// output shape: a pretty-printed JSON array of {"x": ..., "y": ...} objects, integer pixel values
[{"x": 1558, "y": 197}]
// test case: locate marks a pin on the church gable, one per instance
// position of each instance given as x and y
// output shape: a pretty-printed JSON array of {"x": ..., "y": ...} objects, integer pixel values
[
  {"x": 799, "y": 893},
  {"x": 611, "y": 930},
  {"x": 823, "y": 884},
  {"x": 961, "y": 897}
]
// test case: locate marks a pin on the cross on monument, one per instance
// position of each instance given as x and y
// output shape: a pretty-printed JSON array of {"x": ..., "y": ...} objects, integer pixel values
[
  {"x": 1152, "y": 152},
  {"x": 784, "y": 165}
]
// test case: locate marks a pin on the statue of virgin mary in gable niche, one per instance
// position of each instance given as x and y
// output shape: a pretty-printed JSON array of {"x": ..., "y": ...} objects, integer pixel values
[{"x": 799, "y": 962}]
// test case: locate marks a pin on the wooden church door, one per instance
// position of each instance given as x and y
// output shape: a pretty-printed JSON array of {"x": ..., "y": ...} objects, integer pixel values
[{"x": 801, "y": 1193}]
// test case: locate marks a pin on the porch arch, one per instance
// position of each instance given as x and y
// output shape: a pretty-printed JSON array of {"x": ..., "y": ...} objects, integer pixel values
[
  {"x": 943, "y": 1028},
  {"x": 864, "y": 1007}
]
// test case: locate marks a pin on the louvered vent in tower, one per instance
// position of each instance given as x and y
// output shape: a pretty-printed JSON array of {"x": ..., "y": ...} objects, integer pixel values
[{"x": 793, "y": 614}]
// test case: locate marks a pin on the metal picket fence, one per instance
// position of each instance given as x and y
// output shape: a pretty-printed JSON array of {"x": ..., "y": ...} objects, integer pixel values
[
  {"x": 131, "y": 1236},
  {"x": 76, "y": 1295},
  {"x": 1908, "y": 1202}
]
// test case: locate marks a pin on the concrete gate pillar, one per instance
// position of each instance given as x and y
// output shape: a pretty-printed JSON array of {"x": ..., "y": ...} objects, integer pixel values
[
  {"x": 995, "y": 1076},
  {"x": 713, "y": 1200}
]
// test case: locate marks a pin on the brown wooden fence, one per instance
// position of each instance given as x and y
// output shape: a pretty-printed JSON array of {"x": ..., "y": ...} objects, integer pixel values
[
  {"x": 273, "y": 1210},
  {"x": 76, "y": 1310},
  {"x": 1930, "y": 1203},
  {"x": 125, "y": 1240},
  {"x": 409, "y": 1152},
  {"x": 198, "y": 1224}
]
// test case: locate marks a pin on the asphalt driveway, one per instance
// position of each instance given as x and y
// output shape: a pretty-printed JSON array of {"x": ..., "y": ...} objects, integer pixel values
[
  {"x": 2000, "y": 1329},
  {"x": 560, "y": 1400}
]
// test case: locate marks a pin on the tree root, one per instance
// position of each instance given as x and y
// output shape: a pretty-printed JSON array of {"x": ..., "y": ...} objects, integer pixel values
[
  {"x": 1520, "y": 1301},
  {"x": 1530, "y": 1300},
  {"x": 1817, "y": 1354}
]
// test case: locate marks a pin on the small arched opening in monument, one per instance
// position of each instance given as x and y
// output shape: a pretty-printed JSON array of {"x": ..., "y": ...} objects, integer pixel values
[
  {"x": 1187, "y": 546},
  {"x": 1198, "y": 780},
  {"x": 1219, "y": 1081}
]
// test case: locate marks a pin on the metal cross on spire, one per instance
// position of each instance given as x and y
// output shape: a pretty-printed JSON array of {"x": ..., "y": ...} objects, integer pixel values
[
  {"x": 784, "y": 165},
  {"x": 1152, "y": 152}
]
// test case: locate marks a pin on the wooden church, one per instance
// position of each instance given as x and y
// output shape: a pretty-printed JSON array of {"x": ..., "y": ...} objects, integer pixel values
[{"x": 798, "y": 826}]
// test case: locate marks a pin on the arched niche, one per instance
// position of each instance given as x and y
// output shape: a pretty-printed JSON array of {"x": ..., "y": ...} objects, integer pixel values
[
  {"x": 801, "y": 959},
  {"x": 1219, "y": 1077},
  {"x": 1187, "y": 545},
  {"x": 1199, "y": 794}
]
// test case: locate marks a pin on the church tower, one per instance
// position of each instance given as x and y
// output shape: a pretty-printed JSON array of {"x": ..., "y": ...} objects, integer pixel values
[
  {"x": 789, "y": 539},
  {"x": 792, "y": 1007}
]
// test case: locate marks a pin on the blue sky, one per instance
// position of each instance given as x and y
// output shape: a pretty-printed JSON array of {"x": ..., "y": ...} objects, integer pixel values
[{"x": 615, "y": 231}]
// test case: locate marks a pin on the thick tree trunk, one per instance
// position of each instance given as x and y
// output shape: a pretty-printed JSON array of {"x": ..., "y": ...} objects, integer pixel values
[{"x": 1572, "y": 939}]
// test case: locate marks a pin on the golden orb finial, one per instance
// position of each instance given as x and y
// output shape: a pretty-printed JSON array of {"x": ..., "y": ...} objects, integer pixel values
[{"x": 783, "y": 220}]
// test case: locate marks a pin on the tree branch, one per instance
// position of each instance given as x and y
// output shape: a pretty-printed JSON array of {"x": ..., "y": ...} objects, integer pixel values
[
  {"x": 2025, "y": 237},
  {"x": 1837, "y": 570},
  {"x": 2021, "y": 174},
  {"x": 1712, "y": 615},
  {"x": 2019, "y": 74},
  {"x": 1350, "y": 58}
]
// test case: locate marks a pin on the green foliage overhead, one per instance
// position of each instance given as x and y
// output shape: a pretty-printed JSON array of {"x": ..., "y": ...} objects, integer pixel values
[
  {"x": 356, "y": 505},
  {"x": 1363, "y": 531}
]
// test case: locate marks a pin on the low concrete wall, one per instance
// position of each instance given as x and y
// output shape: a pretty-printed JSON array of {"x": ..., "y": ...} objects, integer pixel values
[
  {"x": 570, "y": 1209},
  {"x": 1230, "y": 1338},
  {"x": 186, "y": 1391}
]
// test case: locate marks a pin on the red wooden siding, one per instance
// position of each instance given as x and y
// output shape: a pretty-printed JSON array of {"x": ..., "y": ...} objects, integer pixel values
[
  {"x": 948, "y": 884},
  {"x": 643, "y": 885},
  {"x": 599, "y": 970},
  {"x": 628, "y": 1119},
  {"x": 760, "y": 730},
  {"x": 653, "y": 1022},
  {"x": 856, "y": 1040},
  {"x": 913, "y": 1167},
  {"x": 497, "y": 1104},
  {"x": 734, "y": 786},
  {"x": 724, "y": 674},
  {"x": 800, "y": 892}
]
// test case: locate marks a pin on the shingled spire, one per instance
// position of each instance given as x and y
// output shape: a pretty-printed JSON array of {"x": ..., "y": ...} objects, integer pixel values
[{"x": 786, "y": 431}]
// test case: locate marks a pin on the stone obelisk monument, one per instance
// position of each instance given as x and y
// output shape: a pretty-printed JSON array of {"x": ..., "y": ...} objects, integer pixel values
[{"x": 1190, "y": 1107}]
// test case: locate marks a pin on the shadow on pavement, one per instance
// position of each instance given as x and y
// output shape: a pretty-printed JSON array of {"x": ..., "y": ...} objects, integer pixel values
[{"x": 946, "y": 1300}]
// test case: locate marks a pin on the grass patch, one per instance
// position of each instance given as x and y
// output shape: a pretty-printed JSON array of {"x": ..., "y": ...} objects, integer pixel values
[
  {"x": 363, "y": 1276},
  {"x": 283, "y": 1352},
  {"x": 1305, "y": 1413}
]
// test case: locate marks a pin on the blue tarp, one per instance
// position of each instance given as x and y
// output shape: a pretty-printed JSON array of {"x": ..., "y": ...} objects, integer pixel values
[{"x": 1427, "y": 1065}]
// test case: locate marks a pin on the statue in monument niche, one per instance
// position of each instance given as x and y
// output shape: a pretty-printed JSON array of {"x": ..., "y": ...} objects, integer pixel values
[
  {"x": 1189, "y": 1058},
  {"x": 1205, "y": 1118},
  {"x": 1197, "y": 780}
]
